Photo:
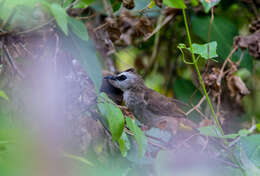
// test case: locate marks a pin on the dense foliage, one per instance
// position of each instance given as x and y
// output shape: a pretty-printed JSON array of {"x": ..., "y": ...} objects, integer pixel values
[{"x": 57, "y": 117}]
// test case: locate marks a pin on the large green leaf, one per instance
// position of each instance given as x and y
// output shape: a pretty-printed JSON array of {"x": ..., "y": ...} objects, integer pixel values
[
  {"x": 251, "y": 147},
  {"x": 85, "y": 52},
  {"x": 79, "y": 28},
  {"x": 138, "y": 135},
  {"x": 113, "y": 115},
  {"x": 61, "y": 17},
  {"x": 184, "y": 90},
  {"x": 223, "y": 32},
  {"x": 179, "y": 4}
]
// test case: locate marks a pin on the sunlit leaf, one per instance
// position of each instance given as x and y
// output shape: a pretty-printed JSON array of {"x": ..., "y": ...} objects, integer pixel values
[
  {"x": 179, "y": 4},
  {"x": 138, "y": 135},
  {"x": 61, "y": 17},
  {"x": 3, "y": 95},
  {"x": 258, "y": 126},
  {"x": 113, "y": 115}
]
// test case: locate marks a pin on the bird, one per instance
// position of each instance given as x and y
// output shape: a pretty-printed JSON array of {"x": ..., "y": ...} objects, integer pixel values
[{"x": 148, "y": 106}]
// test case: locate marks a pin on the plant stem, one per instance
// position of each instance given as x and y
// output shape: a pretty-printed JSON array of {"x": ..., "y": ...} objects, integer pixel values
[
  {"x": 200, "y": 77},
  {"x": 205, "y": 91}
]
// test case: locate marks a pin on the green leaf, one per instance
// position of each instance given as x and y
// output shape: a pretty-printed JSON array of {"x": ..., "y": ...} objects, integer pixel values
[
  {"x": 138, "y": 135},
  {"x": 85, "y": 52},
  {"x": 251, "y": 147},
  {"x": 116, "y": 4},
  {"x": 84, "y": 4},
  {"x": 67, "y": 3},
  {"x": 179, "y": 4},
  {"x": 210, "y": 131},
  {"x": 124, "y": 144},
  {"x": 113, "y": 115},
  {"x": 258, "y": 127},
  {"x": 214, "y": 132},
  {"x": 243, "y": 132},
  {"x": 250, "y": 168},
  {"x": 202, "y": 50},
  {"x": 184, "y": 89},
  {"x": 78, "y": 28},
  {"x": 3, "y": 95},
  {"x": 61, "y": 17},
  {"x": 208, "y": 4},
  {"x": 79, "y": 158},
  {"x": 223, "y": 31}
]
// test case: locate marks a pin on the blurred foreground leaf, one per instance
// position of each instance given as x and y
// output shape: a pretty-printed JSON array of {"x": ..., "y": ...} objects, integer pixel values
[
  {"x": 85, "y": 53},
  {"x": 79, "y": 28},
  {"x": 113, "y": 115},
  {"x": 124, "y": 144},
  {"x": 61, "y": 17},
  {"x": 138, "y": 135},
  {"x": 3, "y": 95}
]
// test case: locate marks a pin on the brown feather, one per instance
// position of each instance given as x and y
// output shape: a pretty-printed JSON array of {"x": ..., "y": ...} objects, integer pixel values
[{"x": 161, "y": 105}]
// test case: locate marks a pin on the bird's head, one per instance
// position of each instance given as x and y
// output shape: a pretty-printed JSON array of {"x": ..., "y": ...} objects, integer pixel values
[{"x": 126, "y": 80}]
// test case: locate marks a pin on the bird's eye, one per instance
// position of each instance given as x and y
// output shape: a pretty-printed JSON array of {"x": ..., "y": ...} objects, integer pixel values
[{"x": 121, "y": 78}]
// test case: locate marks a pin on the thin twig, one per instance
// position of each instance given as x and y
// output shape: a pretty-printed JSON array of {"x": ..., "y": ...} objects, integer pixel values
[
  {"x": 87, "y": 17},
  {"x": 100, "y": 27},
  {"x": 56, "y": 51},
  {"x": 197, "y": 106},
  {"x": 159, "y": 26},
  {"x": 12, "y": 62},
  {"x": 224, "y": 65}
]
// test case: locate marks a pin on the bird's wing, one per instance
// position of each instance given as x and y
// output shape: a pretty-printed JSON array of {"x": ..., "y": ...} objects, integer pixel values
[{"x": 161, "y": 105}]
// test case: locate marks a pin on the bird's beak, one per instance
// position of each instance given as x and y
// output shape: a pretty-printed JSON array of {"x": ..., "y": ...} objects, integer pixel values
[{"x": 110, "y": 77}]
